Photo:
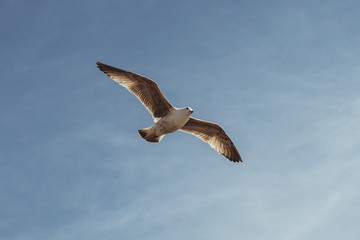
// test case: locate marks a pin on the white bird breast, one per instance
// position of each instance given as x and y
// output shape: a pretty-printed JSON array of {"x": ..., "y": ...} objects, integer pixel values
[{"x": 173, "y": 121}]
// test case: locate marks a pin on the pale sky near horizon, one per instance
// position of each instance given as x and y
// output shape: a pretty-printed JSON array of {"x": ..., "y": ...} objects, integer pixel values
[{"x": 281, "y": 77}]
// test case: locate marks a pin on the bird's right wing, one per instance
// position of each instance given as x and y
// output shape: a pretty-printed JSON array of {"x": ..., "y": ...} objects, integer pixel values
[
  {"x": 214, "y": 135},
  {"x": 146, "y": 90}
]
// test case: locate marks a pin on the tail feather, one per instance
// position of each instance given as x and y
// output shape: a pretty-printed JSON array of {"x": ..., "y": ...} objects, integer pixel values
[{"x": 144, "y": 133}]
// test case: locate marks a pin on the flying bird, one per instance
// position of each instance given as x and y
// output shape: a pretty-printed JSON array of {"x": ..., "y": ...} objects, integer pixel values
[{"x": 167, "y": 118}]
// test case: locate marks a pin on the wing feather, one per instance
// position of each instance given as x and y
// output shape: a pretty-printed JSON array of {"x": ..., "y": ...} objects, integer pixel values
[
  {"x": 146, "y": 90},
  {"x": 214, "y": 135}
]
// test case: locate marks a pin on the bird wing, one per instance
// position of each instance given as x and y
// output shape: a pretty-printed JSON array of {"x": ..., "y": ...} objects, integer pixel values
[
  {"x": 146, "y": 90},
  {"x": 214, "y": 135}
]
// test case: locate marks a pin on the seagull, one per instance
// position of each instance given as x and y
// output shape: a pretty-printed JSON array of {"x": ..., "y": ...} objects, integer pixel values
[{"x": 167, "y": 118}]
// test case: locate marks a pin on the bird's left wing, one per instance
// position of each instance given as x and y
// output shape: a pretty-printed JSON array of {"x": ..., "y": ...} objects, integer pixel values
[
  {"x": 146, "y": 90},
  {"x": 214, "y": 135}
]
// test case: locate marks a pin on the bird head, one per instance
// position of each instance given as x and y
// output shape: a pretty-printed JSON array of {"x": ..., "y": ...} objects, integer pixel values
[{"x": 189, "y": 109}]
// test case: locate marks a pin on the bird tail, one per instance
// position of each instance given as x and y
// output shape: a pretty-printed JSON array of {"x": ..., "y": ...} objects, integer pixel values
[{"x": 145, "y": 134}]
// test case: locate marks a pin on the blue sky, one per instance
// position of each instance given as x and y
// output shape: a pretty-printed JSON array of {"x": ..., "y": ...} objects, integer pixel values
[{"x": 281, "y": 77}]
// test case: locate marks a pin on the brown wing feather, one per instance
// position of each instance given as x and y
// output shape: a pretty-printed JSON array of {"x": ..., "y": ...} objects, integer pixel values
[
  {"x": 214, "y": 135},
  {"x": 146, "y": 90}
]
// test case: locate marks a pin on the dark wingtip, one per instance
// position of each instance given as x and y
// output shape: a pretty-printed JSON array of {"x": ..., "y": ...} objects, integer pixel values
[
  {"x": 104, "y": 68},
  {"x": 234, "y": 155},
  {"x": 239, "y": 159},
  {"x": 235, "y": 159},
  {"x": 100, "y": 65}
]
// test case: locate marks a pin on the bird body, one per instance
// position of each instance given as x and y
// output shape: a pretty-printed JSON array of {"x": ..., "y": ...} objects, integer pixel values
[
  {"x": 167, "y": 118},
  {"x": 172, "y": 122}
]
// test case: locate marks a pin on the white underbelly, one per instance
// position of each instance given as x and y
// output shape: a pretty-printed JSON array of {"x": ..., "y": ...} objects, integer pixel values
[{"x": 170, "y": 124}]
